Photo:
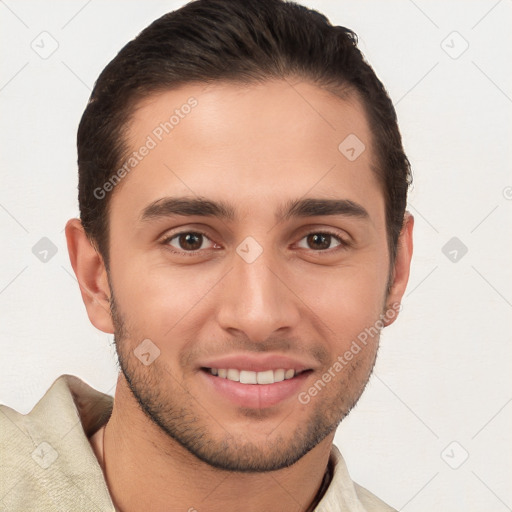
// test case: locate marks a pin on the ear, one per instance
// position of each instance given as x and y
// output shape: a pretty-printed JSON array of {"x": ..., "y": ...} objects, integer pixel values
[
  {"x": 91, "y": 273},
  {"x": 401, "y": 269}
]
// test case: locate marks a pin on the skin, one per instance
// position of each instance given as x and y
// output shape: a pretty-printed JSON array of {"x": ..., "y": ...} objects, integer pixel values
[{"x": 254, "y": 148}]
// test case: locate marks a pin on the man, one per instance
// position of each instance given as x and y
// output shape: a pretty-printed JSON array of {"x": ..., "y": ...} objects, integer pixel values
[{"x": 243, "y": 233}]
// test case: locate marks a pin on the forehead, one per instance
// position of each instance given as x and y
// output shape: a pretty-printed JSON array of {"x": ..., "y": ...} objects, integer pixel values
[{"x": 244, "y": 142}]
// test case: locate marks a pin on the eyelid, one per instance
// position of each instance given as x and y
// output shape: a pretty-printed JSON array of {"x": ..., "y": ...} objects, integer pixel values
[
  {"x": 165, "y": 240},
  {"x": 343, "y": 243},
  {"x": 184, "y": 229},
  {"x": 316, "y": 228}
]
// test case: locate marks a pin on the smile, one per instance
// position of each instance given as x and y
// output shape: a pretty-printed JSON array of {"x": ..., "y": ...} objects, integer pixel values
[{"x": 251, "y": 377}]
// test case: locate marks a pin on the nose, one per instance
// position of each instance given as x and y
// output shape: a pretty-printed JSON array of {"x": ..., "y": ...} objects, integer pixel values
[{"x": 256, "y": 299}]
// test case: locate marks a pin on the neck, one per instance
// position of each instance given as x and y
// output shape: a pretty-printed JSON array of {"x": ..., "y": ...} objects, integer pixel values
[{"x": 142, "y": 465}]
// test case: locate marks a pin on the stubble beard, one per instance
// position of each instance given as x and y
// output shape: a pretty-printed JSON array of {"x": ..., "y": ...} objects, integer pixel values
[{"x": 185, "y": 419}]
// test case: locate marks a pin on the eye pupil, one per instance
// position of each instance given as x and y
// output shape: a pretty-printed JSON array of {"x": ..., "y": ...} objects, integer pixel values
[
  {"x": 191, "y": 241},
  {"x": 319, "y": 241}
]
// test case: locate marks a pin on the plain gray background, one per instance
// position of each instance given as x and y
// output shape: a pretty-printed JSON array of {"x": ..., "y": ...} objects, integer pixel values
[{"x": 432, "y": 430}]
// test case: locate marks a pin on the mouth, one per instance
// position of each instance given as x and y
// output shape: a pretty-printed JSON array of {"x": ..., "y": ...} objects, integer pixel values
[
  {"x": 255, "y": 381},
  {"x": 255, "y": 378},
  {"x": 251, "y": 389}
]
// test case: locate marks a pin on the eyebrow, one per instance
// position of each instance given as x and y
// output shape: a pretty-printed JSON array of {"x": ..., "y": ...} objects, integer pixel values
[
  {"x": 312, "y": 207},
  {"x": 186, "y": 206},
  {"x": 201, "y": 207}
]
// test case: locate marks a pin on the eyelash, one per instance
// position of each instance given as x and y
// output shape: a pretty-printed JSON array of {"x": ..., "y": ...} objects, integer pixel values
[
  {"x": 343, "y": 244},
  {"x": 166, "y": 241}
]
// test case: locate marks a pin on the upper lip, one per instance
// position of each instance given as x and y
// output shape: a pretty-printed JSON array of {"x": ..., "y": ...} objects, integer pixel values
[{"x": 257, "y": 362}]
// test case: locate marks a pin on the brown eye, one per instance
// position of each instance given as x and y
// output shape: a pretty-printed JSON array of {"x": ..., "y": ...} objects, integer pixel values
[
  {"x": 188, "y": 241},
  {"x": 320, "y": 241},
  {"x": 191, "y": 241}
]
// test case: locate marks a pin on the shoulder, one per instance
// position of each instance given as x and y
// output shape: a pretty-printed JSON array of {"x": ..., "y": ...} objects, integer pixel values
[
  {"x": 343, "y": 494},
  {"x": 370, "y": 502},
  {"x": 45, "y": 454}
]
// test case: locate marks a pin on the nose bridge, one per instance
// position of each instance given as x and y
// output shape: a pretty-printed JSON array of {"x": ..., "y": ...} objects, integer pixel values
[{"x": 254, "y": 299}]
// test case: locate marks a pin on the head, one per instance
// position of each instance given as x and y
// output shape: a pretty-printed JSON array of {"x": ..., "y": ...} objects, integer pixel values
[{"x": 242, "y": 191}]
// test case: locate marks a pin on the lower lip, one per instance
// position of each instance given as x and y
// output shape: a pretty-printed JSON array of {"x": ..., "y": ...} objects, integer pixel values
[{"x": 256, "y": 396}]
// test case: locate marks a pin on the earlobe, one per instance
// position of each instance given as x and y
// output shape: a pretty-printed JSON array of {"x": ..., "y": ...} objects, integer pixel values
[
  {"x": 401, "y": 269},
  {"x": 90, "y": 271}
]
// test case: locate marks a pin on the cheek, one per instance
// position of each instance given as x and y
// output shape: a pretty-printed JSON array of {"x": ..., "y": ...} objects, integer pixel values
[
  {"x": 157, "y": 297},
  {"x": 346, "y": 301}
]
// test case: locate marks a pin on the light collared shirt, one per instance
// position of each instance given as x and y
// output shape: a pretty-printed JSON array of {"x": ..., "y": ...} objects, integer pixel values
[{"x": 47, "y": 462}]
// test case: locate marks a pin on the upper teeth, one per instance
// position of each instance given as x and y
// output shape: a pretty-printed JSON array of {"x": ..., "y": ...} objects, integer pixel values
[{"x": 248, "y": 377}]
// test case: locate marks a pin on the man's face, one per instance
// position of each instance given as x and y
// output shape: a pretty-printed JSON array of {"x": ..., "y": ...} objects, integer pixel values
[{"x": 265, "y": 290}]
